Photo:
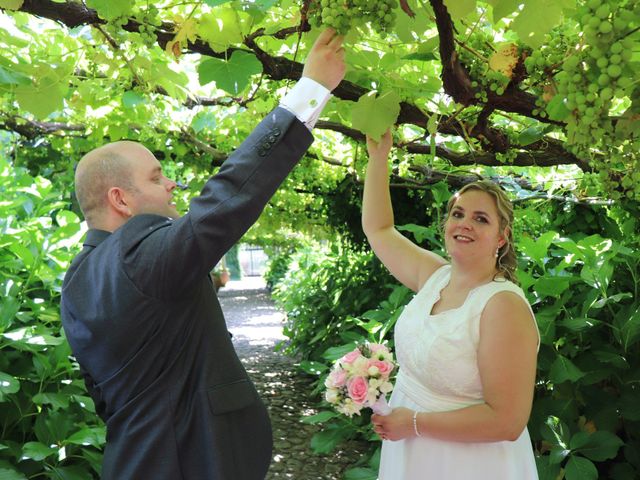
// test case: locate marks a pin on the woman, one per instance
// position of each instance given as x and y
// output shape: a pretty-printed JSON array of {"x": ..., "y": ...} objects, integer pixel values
[{"x": 466, "y": 344}]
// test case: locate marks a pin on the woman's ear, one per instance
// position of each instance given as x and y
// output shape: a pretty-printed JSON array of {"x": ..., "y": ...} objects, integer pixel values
[
  {"x": 504, "y": 237},
  {"x": 117, "y": 200}
]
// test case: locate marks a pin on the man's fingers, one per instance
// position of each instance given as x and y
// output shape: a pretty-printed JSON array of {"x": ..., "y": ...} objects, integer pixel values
[
  {"x": 336, "y": 41},
  {"x": 325, "y": 37}
]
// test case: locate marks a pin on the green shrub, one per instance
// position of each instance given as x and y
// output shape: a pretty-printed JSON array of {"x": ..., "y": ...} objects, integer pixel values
[{"x": 48, "y": 423}]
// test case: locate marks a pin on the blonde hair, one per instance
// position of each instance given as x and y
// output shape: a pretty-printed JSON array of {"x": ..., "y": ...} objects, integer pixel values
[{"x": 506, "y": 260}]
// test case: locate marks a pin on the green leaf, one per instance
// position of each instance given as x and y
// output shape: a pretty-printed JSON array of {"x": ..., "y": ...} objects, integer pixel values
[
  {"x": 360, "y": 473},
  {"x": 374, "y": 115},
  {"x": 321, "y": 417},
  {"x": 547, "y": 470},
  {"x": 537, "y": 248},
  {"x": 111, "y": 9},
  {"x": 37, "y": 451},
  {"x": 7, "y": 77},
  {"x": 202, "y": 121},
  {"x": 551, "y": 286},
  {"x": 327, "y": 440},
  {"x": 8, "y": 385},
  {"x": 221, "y": 28},
  {"x": 85, "y": 402},
  {"x": 564, "y": 370},
  {"x": 536, "y": 19},
  {"x": 130, "y": 99},
  {"x": 88, "y": 436},
  {"x": 215, "y": 3},
  {"x": 530, "y": 135},
  {"x": 11, "y": 474},
  {"x": 68, "y": 473},
  {"x": 557, "y": 109},
  {"x": 598, "y": 446},
  {"x": 234, "y": 75},
  {"x": 558, "y": 454},
  {"x": 411, "y": 30},
  {"x": 555, "y": 432},
  {"x": 630, "y": 331},
  {"x": 313, "y": 368},
  {"x": 11, "y": 4},
  {"x": 579, "y": 468},
  {"x": 46, "y": 93},
  {"x": 334, "y": 353},
  {"x": 460, "y": 8},
  {"x": 422, "y": 56},
  {"x": 9, "y": 307},
  {"x": 502, "y": 8},
  {"x": 56, "y": 400}
]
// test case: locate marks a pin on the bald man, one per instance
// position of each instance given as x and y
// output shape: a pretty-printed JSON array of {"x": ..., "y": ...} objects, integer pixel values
[{"x": 141, "y": 314}]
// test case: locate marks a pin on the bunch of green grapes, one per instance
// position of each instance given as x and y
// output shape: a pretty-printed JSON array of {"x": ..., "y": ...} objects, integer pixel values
[
  {"x": 596, "y": 76},
  {"x": 343, "y": 15}
]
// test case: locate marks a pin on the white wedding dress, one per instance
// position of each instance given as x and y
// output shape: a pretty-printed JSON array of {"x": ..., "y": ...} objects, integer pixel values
[{"x": 439, "y": 372}]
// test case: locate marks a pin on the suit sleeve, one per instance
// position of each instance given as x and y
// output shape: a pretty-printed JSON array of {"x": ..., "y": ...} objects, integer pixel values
[{"x": 166, "y": 261}]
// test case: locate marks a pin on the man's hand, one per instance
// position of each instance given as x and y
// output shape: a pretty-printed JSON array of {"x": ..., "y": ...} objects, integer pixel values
[{"x": 325, "y": 63}]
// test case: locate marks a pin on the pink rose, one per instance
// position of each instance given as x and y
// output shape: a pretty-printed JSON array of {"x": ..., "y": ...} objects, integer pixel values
[
  {"x": 358, "y": 389},
  {"x": 337, "y": 378},
  {"x": 384, "y": 367},
  {"x": 351, "y": 356}
]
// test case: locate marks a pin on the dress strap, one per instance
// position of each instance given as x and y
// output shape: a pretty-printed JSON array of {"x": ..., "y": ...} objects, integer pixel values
[{"x": 484, "y": 293}]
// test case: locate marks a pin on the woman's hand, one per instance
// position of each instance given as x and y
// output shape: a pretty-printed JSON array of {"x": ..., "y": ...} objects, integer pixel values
[
  {"x": 395, "y": 426},
  {"x": 380, "y": 150}
]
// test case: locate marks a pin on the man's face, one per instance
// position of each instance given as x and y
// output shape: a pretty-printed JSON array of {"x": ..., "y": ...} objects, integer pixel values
[{"x": 154, "y": 191}]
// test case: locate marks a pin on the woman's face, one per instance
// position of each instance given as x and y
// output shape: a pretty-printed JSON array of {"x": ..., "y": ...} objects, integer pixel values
[{"x": 472, "y": 229}]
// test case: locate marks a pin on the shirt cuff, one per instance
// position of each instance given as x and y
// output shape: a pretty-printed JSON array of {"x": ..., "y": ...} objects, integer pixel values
[{"x": 306, "y": 100}]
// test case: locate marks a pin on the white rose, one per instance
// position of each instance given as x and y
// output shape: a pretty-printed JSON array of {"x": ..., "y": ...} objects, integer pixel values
[
  {"x": 331, "y": 395},
  {"x": 386, "y": 387}
]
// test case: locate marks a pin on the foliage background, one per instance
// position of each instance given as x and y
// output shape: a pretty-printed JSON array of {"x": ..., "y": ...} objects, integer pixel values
[{"x": 540, "y": 95}]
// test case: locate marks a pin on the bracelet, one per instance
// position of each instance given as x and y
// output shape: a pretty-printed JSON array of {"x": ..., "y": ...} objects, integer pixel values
[{"x": 415, "y": 424}]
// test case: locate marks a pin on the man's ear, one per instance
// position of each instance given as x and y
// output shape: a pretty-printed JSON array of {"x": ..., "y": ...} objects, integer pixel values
[{"x": 117, "y": 200}]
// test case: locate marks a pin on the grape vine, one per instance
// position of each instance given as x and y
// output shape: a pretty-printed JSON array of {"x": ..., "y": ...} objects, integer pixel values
[
  {"x": 595, "y": 78},
  {"x": 344, "y": 15}
]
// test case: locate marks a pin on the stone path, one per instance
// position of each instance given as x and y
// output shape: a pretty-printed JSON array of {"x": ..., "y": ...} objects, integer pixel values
[{"x": 256, "y": 325}]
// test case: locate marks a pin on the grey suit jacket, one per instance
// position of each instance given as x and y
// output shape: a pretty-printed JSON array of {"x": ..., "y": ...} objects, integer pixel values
[{"x": 144, "y": 323}]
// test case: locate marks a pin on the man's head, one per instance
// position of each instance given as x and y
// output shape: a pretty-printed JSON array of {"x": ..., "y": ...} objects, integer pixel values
[{"x": 119, "y": 180}]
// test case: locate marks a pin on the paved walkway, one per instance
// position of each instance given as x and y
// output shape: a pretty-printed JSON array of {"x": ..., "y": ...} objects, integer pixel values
[{"x": 256, "y": 325}]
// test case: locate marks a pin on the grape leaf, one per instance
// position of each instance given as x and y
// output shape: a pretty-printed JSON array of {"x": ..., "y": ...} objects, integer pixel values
[
  {"x": 111, "y": 9},
  {"x": 557, "y": 109},
  {"x": 536, "y": 19},
  {"x": 11, "y": 4},
  {"x": 215, "y": 3},
  {"x": 411, "y": 30},
  {"x": 221, "y": 28},
  {"x": 46, "y": 94},
  {"x": 130, "y": 99},
  {"x": 231, "y": 76},
  {"x": 373, "y": 115},
  {"x": 503, "y": 8},
  {"x": 7, "y": 77},
  {"x": 460, "y": 8}
]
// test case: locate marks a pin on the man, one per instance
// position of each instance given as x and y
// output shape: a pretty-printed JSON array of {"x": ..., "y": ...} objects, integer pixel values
[{"x": 141, "y": 315}]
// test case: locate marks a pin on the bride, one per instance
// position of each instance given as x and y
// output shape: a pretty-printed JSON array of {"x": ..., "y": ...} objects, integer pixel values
[{"x": 466, "y": 344}]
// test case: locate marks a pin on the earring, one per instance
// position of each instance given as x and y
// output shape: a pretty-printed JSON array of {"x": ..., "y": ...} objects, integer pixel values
[{"x": 497, "y": 252}]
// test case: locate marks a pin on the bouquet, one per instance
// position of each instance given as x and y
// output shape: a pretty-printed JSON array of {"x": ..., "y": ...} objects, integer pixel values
[{"x": 361, "y": 379}]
